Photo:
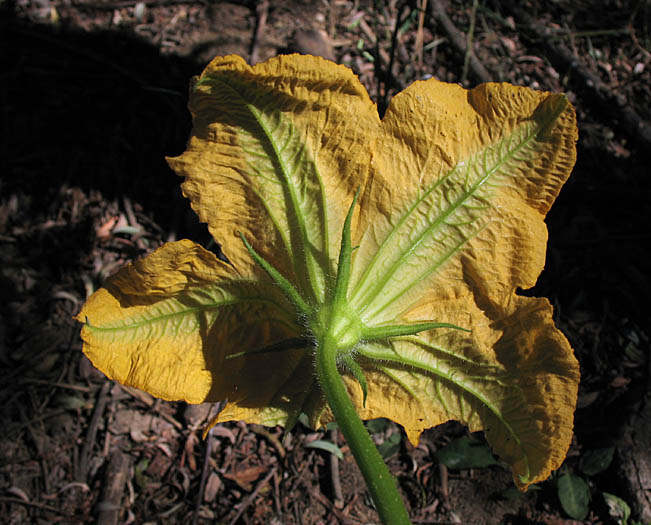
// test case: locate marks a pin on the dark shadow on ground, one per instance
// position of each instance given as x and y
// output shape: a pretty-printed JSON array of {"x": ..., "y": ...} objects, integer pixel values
[
  {"x": 83, "y": 116},
  {"x": 102, "y": 110},
  {"x": 598, "y": 234},
  {"x": 92, "y": 110}
]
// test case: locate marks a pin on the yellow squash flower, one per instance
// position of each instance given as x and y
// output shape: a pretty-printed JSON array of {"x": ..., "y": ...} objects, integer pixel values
[{"x": 449, "y": 192}]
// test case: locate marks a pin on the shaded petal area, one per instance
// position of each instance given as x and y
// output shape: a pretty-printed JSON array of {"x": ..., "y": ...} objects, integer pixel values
[{"x": 168, "y": 322}]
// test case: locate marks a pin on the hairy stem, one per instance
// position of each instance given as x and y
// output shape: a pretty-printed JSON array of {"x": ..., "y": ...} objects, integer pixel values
[{"x": 381, "y": 483}]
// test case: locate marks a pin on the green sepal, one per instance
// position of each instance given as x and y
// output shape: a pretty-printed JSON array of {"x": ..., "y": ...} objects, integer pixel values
[
  {"x": 345, "y": 255},
  {"x": 358, "y": 374},
  {"x": 293, "y": 343},
  {"x": 287, "y": 287},
  {"x": 290, "y": 423},
  {"x": 373, "y": 333}
]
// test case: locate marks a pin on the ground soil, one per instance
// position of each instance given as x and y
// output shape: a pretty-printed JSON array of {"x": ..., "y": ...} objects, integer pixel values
[{"x": 93, "y": 98}]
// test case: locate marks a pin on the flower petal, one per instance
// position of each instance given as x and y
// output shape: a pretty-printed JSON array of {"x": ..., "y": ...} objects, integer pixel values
[
  {"x": 514, "y": 376},
  {"x": 461, "y": 204},
  {"x": 276, "y": 152},
  {"x": 167, "y": 324},
  {"x": 452, "y": 224}
]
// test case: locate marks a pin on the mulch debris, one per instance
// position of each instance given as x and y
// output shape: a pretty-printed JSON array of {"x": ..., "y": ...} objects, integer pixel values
[{"x": 93, "y": 99}]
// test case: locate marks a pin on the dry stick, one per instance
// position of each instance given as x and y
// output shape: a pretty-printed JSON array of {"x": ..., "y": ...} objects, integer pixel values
[
  {"x": 128, "y": 209},
  {"x": 459, "y": 41},
  {"x": 108, "y": 509},
  {"x": 471, "y": 33},
  {"x": 616, "y": 105},
  {"x": 78, "y": 388},
  {"x": 443, "y": 475},
  {"x": 39, "y": 448},
  {"x": 419, "y": 36},
  {"x": 340, "y": 515},
  {"x": 82, "y": 474},
  {"x": 381, "y": 58},
  {"x": 18, "y": 501},
  {"x": 332, "y": 19},
  {"x": 147, "y": 400},
  {"x": 334, "y": 473},
  {"x": 25, "y": 423},
  {"x": 388, "y": 77},
  {"x": 262, "y": 9},
  {"x": 217, "y": 408},
  {"x": 377, "y": 69},
  {"x": 129, "y": 3},
  {"x": 370, "y": 34},
  {"x": 204, "y": 477},
  {"x": 631, "y": 30},
  {"x": 249, "y": 500},
  {"x": 133, "y": 221},
  {"x": 279, "y": 510}
]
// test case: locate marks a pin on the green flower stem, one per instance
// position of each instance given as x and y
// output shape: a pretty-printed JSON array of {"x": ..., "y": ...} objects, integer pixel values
[{"x": 381, "y": 483}]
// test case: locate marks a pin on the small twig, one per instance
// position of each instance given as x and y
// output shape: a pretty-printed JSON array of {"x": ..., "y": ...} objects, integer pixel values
[
  {"x": 388, "y": 74},
  {"x": 204, "y": 477},
  {"x": 141, "y": 396},
  {"x": 370, "y": 34},
  {"x": 377, "y": 69},
  {"x": 279, "y": 510},
  {"x": 82, "y": 474},
  {"x": 12, "y": 431},
  {"x": 316, "y": 494},
  {"x": 128, "y": 209},
  {"x": 459, "y": 41},
  {"x": 108, "y": 509},
  {"x": 39, "y": 448},
  {"x": 205, "y": 468},
  {"x": 133, "y": 221},
  {"x": 443, "y": 475},
  {"x": 631, "y": 30},
  {"x": 4, "y": 499},
  {"x": 419, "y": 35},
  {"x": 78, "y": 388},
  {"x": 334, "y": 473},
  {"x": 251, "y": 497},
  {"x": 111, "y": 6},
  {"x": 74, "y": 485},
  {"x": 471, "y": 33},
  {"x": 262, "y": 9}
]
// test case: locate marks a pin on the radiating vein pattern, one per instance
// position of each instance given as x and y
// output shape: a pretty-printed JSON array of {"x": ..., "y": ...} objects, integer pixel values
[
  {"x": 194, "y": 310},
  {"x": 443, "y": 218},
  {"x": 479, "y": 394},
  {"x": 282, "y": 173}
]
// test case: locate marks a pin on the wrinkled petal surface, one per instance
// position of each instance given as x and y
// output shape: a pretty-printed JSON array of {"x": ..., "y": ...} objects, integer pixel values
[
  {"x": 451, "y": 226},
  {"x": 277, "y": 151},
  {"x": 455, "y": 185},
  {"x": 167, "y": 324}
]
